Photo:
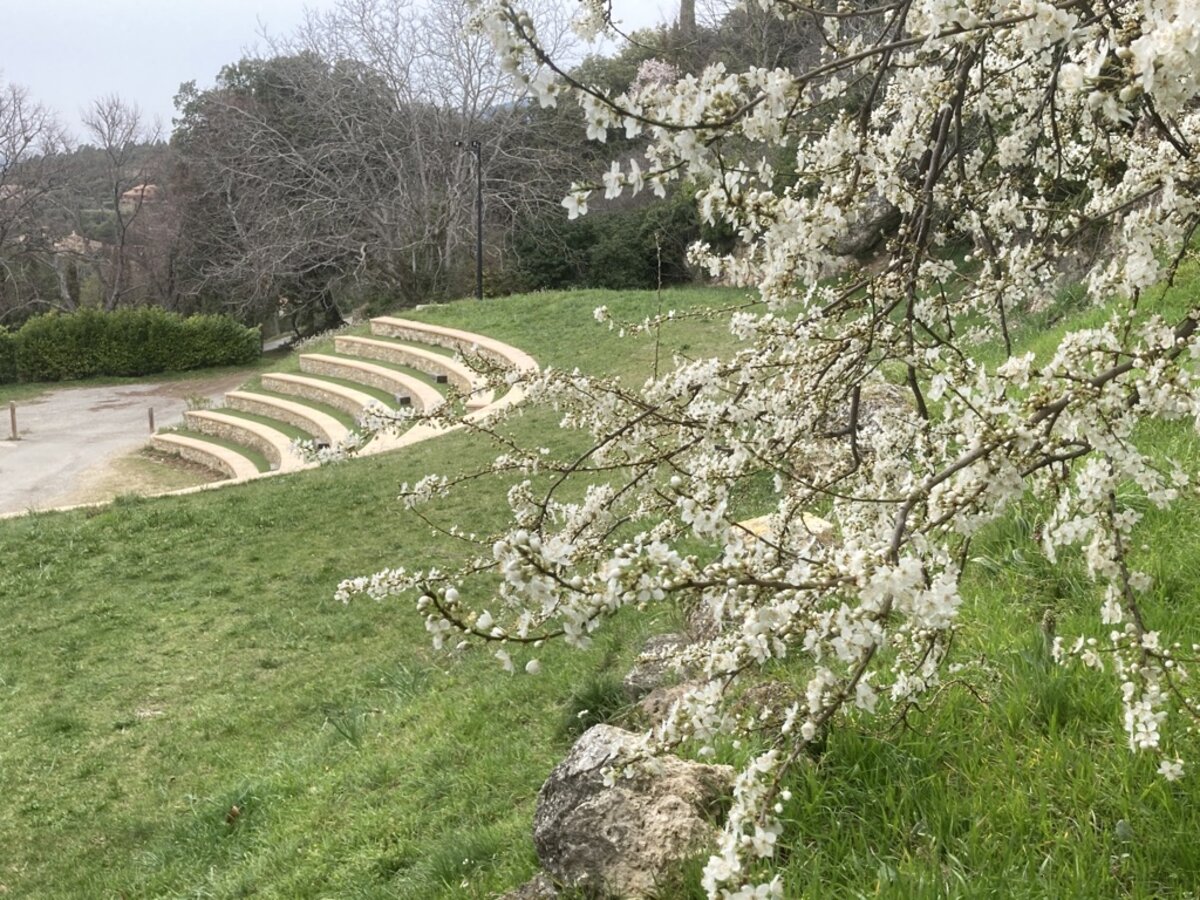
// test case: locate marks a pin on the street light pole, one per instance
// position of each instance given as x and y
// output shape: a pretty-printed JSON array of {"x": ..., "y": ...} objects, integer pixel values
[{"x": 475, "y": 149}]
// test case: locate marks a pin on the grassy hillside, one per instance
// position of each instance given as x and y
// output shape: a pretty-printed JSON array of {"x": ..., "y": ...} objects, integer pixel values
[
  {"x": 167, "y": 660},
  {"x": 187, "y": 712}
]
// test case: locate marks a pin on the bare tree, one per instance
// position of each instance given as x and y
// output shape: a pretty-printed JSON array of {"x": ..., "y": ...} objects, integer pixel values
[
  {"x": 447, "y": 89},
  {"x": 276, "y": 178},
  {"x": 332, "y": 167},
  {"x": 120, "y": 130},
  {"x": 31, "y": 140}
]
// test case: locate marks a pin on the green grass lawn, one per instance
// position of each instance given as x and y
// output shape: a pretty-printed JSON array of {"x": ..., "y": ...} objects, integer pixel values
[{"x": 167, "y": 661}]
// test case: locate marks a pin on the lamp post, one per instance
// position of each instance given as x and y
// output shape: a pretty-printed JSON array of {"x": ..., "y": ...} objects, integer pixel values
[{"x": 475, "y": 147}]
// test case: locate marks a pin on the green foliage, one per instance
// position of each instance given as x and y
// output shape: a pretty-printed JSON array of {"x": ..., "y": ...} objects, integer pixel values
[
  {"x": 98, "y": 225},
  {"x": 616, "y": 73},
  {"x": 616, "y": 250},
  {"x": 600, "y": 699},
  {"x": 8, "y": 355},
  {"x": 128, "y": 342}
]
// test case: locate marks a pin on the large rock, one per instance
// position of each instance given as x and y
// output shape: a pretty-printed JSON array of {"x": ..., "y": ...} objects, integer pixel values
[
  {"x": 822, "y": 531},
  {"x": 655, "y": 665},
  {"x": 656, "y": 705},
  {"x": 619, "y": 840},
  {"x": 870, "y": 223},
  {"x": 880, "y": 404},
  {"x": 539, "y": 887}
]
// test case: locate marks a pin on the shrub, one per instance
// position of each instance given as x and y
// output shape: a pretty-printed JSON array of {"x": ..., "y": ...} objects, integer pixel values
[
  {"x": 8, "y": 356},
  {"x": 55, "y": 347},
  {"x": 127, "y": 342},
  {"x": 617, "y": 249}
]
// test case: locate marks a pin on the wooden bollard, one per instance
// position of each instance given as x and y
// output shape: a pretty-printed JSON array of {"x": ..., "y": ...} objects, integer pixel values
[
  {"x": 152, "y": 420},
  {"x": 12, "y": 418}
]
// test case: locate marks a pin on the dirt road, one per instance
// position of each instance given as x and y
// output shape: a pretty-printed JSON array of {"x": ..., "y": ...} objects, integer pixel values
[{"x": 70, "y": 437}]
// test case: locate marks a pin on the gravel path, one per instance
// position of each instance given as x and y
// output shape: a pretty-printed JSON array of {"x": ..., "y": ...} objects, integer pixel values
[{"x": 70, "y": 436}]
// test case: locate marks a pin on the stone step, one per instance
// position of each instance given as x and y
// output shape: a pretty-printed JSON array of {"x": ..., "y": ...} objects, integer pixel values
[
  {"x": 340, "y": 397},
  {"x": 421, "y": 396},
  {"x": 453, "y": 339},
  {"x": 324, "y": 428},
  {"x": 437, "y": 365},
  {"x": 204, "y": 453},
  {"x": 274, "y": 445}
]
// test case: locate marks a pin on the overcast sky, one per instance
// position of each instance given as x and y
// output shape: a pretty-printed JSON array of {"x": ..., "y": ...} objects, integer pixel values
[{"x": 68, "y": 52}]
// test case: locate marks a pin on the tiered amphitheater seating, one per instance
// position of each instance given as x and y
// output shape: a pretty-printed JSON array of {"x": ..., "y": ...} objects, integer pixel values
[
  {"x": 347, "y": 399},
  {"x": 405, "y": 389},
  {"x": 394, "y": 369},
  {"x": 438, "y": 366},
  {"x": 323, "y": 428},
  {"x": 214, "y": 456}
]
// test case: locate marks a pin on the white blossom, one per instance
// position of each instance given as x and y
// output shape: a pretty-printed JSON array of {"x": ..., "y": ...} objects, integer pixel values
[{"x": 855, "y": 387}]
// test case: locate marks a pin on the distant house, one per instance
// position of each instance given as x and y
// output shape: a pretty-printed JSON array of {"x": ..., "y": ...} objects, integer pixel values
[
  {"x": 77, "y": 245},
  {"x": 12, "y": 193},
  {"x": 137, "y": 195}
]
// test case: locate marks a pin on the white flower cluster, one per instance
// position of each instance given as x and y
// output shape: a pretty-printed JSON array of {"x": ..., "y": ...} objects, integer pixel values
[
  {"x": 321, "y": 452},
  {"x": 1058, "y": 141},
  {"x": 1167, "y": 55},
  {"x": 748, "y": 832}
]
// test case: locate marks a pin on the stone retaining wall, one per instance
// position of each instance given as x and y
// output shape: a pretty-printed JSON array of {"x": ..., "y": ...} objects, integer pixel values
[
  {"x": 424, "y": 397},
  {"x": 180, "y": 446},
  {"x": 245, "y": 433},
  {"x": 413, "y": 357},
  {"x": 338, "y": 396},
  {"x": 321, "y": 426}
]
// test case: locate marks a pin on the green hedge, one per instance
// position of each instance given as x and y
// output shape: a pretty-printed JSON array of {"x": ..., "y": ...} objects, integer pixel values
[
  {"x": 141, "y": 341},
  {"x": 625, "y": 249},
  {"x": 8, "y": 355}
]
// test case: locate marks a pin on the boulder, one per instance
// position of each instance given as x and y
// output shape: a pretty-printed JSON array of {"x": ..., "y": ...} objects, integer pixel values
[
  {"x": 822, "y": 531},
  {"x": 655, "y": 706},
  {"x": 880, "y": 403},
  {"x": 539, "y": 887},
  {"x": 654, "y": 666},
  {"x": 766, "y": 701},
  {"x": 619, "y": 840},
  {"x": 871, "y": 222}
]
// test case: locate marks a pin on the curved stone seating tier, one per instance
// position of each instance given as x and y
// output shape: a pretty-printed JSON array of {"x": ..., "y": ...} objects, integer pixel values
[
  {"x": 434, "y": 364},
  {"x": 322, "y": 426},
  {"x": 274, "y": 445},
  {"x": 424, "y": 397},
  {"x": 453, "y": 339},
  {"x": 340, "y": 397},
  {"x": 204, "y": 453}
]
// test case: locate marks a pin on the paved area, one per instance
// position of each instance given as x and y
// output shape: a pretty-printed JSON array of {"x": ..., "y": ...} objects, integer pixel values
[{"x": 69, "y": 436}]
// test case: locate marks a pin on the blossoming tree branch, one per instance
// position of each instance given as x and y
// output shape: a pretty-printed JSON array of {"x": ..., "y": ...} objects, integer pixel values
[{"x": 1056, "y": 141}]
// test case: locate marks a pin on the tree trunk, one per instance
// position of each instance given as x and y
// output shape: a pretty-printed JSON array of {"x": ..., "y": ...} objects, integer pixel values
[
  {"x": 687, "y": 19},
  {"x": 330, "y": 316}
]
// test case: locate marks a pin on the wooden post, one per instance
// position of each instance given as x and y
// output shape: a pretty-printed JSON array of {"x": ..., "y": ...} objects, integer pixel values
[
  {"x": 12, "y": 417},
  {"x": 152, "y": 420}
]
